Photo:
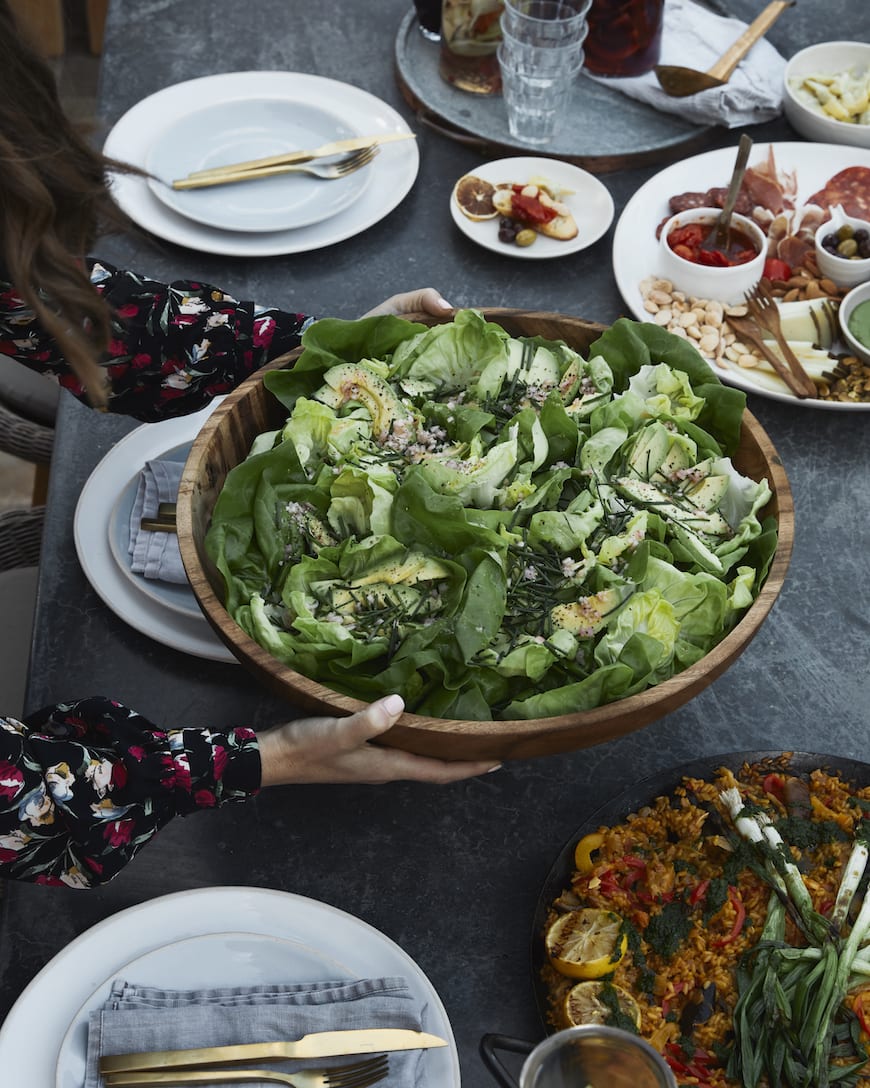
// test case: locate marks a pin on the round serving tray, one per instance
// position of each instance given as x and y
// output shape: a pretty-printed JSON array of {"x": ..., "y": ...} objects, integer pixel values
[
  {"x": 602, "y": 129},
  {"x": 643, "y": 793}
]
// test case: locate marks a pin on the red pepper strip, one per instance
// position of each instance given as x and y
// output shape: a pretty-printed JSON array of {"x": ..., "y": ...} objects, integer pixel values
[
  {"x": 774, "y": 784},
  {"x": 860, "y": 1008},
  {"x": 737, "y": 904},
  {"x": 608, "y": 885},
  {"x": 699, "y": 892},
  {"x": 696, "y": 1067}
]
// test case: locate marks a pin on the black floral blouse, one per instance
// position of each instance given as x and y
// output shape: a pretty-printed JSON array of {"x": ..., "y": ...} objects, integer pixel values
[
  {"x": 174, "y": 346},
  {"x": 84, "y": 785}
]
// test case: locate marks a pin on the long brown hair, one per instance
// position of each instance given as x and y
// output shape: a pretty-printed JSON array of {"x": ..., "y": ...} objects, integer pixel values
[{"x": 53, "y": 203}]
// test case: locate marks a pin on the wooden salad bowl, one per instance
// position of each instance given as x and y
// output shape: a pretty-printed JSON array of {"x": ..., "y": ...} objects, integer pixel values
[{"x": 224, "y": 442}]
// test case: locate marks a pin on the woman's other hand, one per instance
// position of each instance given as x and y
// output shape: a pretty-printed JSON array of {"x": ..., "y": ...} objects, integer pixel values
[
  {"x": 425, "y": 300},
  {"x": 338, "y": 750}
]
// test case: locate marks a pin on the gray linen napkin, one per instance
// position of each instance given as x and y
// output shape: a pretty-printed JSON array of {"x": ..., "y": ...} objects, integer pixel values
[
  {"x": 154, "y": 554},
  {"x": 137, "y": 1018},
  {"x": 695, "y": 37}
]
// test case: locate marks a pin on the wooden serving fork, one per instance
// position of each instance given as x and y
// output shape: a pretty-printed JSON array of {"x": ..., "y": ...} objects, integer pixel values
[{"x": 763, "y": 308}]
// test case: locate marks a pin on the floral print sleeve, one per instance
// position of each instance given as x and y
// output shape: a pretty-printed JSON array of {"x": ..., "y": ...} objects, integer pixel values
[
  {"x": 85, "y": 785},
  {"x": 174, "y": 346}
]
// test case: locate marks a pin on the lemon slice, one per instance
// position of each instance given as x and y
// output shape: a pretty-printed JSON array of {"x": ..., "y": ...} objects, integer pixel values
[
  {"x": 474, "y": 197},
  {"x": 586, "y": 943},
  {"x": 597, "y": 1002}
]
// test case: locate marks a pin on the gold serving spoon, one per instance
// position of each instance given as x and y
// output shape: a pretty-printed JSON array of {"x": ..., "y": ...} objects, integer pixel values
[{"x": 680, "y": 82}]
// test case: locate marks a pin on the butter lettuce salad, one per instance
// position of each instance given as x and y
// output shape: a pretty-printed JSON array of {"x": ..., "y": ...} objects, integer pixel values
[{"x": 494, "y": 527}]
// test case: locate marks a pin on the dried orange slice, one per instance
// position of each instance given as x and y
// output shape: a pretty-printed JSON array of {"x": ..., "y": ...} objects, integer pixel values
[{"x": 474, "y": 197}]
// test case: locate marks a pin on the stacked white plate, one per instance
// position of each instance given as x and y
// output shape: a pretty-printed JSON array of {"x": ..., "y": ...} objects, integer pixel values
[
  {"x": 207, "y": 937},
  {"x": 238, "y": 116},
  {"x": 164, "y": 611}
]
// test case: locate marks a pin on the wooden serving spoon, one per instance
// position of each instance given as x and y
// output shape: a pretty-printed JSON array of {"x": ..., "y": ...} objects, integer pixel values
[
  {"x": 720, "y": 235},
  {"x": 680, "y": 82}
]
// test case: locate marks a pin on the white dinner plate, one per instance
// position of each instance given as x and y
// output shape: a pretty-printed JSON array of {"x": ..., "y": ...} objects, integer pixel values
[
  {"x": 214, "y": 960},
  {"x": 589, "y": 201},
  {"x": 123, "y": 593},
  {"x": 233, "y": 132},
  {"x": 172, "y": 595},
  {"x": 636, "y": 248},
  {"x": 37, "y": 1025},
  {"x": 391, "y": 174}
]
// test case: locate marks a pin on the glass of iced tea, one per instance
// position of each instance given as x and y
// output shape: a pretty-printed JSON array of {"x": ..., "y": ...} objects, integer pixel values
[{"x": 625, "y": 37}]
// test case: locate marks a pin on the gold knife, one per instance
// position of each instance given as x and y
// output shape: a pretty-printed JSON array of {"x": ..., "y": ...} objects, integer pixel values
[
  {"x": 320, "y": 1044},
  {"x": 337, "y": 147}
]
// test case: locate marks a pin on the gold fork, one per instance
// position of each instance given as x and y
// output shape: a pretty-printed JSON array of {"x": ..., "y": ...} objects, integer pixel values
[
  {"x": 329, "y": 171},
  {"x": 763, "y": 307},
  {"x": 359, "y": 1075}
]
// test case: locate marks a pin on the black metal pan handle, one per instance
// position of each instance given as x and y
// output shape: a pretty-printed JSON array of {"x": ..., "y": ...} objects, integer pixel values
[{"x": 489, "y": 1044}]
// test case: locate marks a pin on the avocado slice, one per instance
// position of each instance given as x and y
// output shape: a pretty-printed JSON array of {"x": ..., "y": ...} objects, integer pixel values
[
  {"x": 532, "y": 365},
  {"x": 697, "y": 520},
  {"x": 355, "y": 383},
  {"x": 586, "y": 616},
  {"x": 706, "y": 494}
]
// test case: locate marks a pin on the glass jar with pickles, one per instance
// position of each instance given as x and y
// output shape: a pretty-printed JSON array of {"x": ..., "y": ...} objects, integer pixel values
[{"x": 470, "y": 34}]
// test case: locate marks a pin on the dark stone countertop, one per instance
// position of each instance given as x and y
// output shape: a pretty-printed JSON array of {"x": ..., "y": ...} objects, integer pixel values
[{"x": 451, "y": 874}]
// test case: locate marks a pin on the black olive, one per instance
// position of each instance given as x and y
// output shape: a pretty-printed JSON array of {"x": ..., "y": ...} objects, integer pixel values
[
  {"x": 861, "y": 235},
  {"x": 507, "y": 230}
]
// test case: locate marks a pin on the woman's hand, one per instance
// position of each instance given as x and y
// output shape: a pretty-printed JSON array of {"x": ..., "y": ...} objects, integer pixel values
[
  {"x": 337, "y": 750},
  {"x": 425, "y": 300}
]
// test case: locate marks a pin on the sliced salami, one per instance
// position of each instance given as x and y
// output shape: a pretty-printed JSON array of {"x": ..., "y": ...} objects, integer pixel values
[{"x": 851, "y": 188}]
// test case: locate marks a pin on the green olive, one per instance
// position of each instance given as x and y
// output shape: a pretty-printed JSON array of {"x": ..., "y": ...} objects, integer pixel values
[
  {"x": 847, "y": 248},
  {"x": 844, "y": 232},
  {"x": 526, "y": 237}
]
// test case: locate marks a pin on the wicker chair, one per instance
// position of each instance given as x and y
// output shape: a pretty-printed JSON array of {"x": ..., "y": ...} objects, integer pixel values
[
  {"x": 21, "y": 537},
  {"x": 27, "y": 440},
  {"x": 28, "y": 404}
]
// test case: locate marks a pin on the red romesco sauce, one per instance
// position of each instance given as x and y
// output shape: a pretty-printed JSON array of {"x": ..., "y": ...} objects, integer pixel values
[
  {"x": 529, "y": 208},
  {"x": 691, "y": 243}
]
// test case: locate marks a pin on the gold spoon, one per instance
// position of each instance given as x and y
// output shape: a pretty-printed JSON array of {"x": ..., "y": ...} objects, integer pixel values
[{"x": 680, "y": 82}]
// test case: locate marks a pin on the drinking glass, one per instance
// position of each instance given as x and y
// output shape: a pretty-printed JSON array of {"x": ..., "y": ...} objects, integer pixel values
[
  {"x": 590, "y": 1056},
  {"x": 540, "y": 56},
  {"x": 536, "y": 89},
  {"x": 625, "y": 37},
  {"x": 545, "y": 20}
]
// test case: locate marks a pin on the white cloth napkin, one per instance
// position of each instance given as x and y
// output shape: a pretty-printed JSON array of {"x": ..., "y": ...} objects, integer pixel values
[
  {"x": 154, "y": 554},
  {"x": 136, "y": 1018},
  {"x": 695, "y": 37}
]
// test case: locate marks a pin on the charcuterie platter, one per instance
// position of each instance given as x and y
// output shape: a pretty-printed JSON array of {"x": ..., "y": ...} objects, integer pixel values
[{"x": 794, "y": 187}]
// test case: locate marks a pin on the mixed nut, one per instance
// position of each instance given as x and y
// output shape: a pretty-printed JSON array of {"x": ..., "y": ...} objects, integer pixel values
[{"x": 704, "y": 323}]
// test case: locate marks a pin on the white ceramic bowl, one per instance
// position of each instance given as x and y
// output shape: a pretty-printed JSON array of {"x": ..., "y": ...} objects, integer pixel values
[
  {"x": 704, "y": 281},
  {"x": 843, "y": 271},
  {"x": 847, "y": 307},
  {"x": 825, "y": 58}
]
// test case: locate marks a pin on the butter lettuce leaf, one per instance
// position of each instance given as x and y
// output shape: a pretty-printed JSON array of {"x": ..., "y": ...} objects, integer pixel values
[{"x": 493, "y": 527}]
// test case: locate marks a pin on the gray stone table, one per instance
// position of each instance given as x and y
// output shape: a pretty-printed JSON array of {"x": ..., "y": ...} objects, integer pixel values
[{"x": 451, "y": 874}]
